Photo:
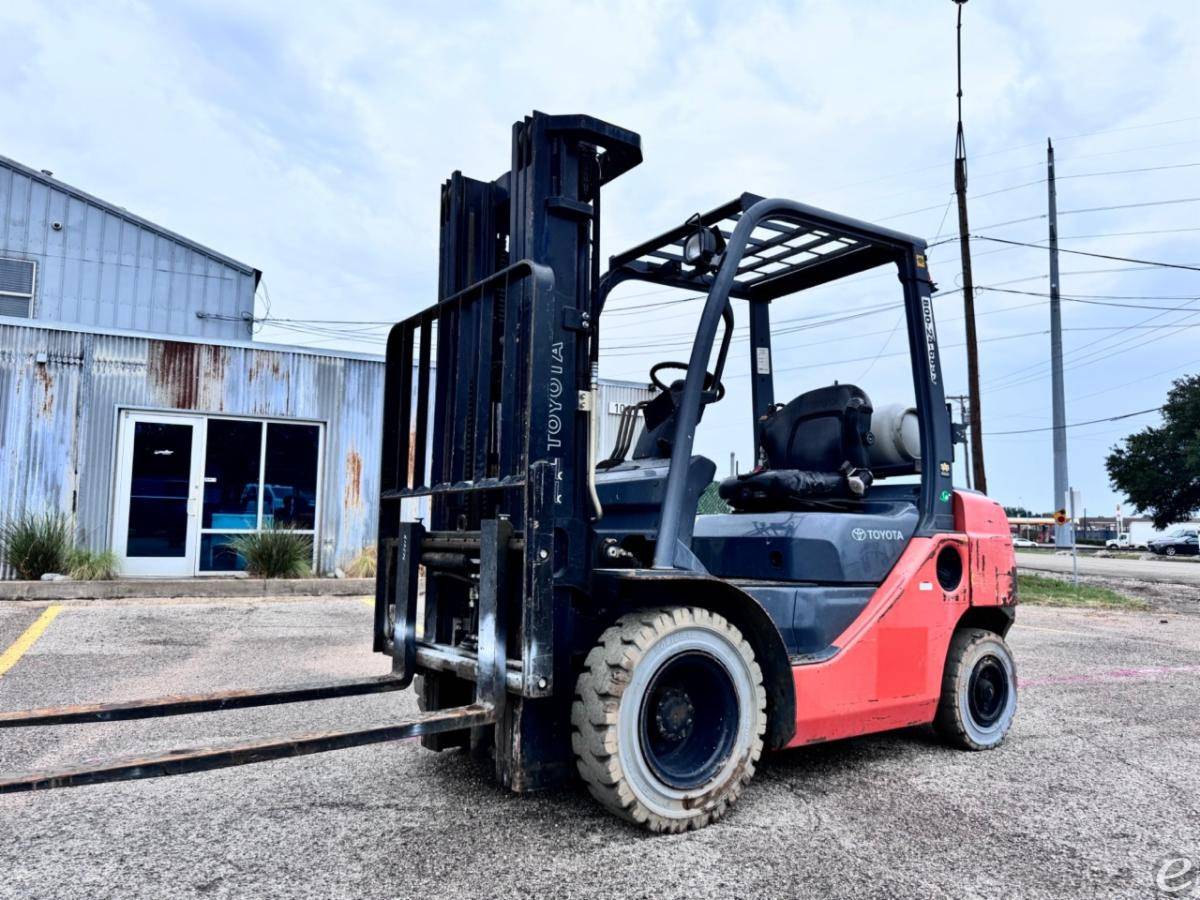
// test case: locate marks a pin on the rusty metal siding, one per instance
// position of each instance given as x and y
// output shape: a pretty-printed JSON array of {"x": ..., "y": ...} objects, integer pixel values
[
  {"x": 38, "y": 420},
  {"x": 58, "y": 421},
  {"x": 104, "y": 267}
]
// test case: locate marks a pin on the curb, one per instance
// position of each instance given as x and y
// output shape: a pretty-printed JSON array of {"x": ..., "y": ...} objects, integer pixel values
[{"x": 122, "y": 589}]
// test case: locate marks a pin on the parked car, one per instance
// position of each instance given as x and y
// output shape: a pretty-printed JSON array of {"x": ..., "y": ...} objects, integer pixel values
[
  {"x": 1142, "y": 533},
  {"x": 1120, "y": 542},
  {"x": 1020, "y": 542},
  {"x": 1180, "y": 542}
]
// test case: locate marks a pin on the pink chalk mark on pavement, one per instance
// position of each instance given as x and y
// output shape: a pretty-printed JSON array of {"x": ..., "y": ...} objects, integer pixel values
[{"x": 1140, "y": 673}]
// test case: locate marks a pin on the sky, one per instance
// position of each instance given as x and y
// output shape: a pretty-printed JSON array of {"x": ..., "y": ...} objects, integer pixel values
[{"x": 310, "y": 140}]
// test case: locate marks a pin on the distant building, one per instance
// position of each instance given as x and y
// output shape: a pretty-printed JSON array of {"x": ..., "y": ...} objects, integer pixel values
[{"x": 133, "y": 398}]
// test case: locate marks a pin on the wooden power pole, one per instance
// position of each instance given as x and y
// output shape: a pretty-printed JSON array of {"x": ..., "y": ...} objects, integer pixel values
[
  {"x": 964, "y": 242},
  {"x": 1064, "y": 535}
]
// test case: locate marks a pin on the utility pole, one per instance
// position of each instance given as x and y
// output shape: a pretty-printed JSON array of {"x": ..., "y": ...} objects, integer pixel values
[
  {"x": 962, "y": 417},
  {"x": 1063, "y": 534},
  {"x": 964, "y": 244}
]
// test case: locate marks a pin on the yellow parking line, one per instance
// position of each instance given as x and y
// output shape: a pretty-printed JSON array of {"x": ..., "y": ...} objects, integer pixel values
[
  {"x": 10, "y": 656},
  {"x": 369, "y": 601}
]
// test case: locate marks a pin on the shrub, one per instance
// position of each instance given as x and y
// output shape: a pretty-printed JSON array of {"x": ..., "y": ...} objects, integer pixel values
[
  {"x": 92, "y": 565},
  {"x": 363, "y": 565},
  {"x": 275, "y": 553},
  {"x": 37, "y": 544}
]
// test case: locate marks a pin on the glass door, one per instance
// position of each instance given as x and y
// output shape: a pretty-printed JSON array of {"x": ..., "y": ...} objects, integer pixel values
[
  {"x": 257, "y": 475},
  {"x": 158, "y": 490}
]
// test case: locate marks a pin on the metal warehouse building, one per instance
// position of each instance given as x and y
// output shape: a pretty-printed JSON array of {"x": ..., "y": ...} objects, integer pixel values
[{"x": 132, "y": 397}]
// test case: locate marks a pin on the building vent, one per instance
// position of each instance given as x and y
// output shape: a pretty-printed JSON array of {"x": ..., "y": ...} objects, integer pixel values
[{"x": 17, "y": 278}]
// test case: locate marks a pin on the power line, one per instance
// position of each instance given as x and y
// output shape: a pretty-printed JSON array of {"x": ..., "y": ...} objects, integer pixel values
[
  {"x": 1104, "y": 300},
  {"x": 1130, "y": 415},
  {"x": 1128, "y": 259},
  {"x": 1094, "y": 354},
  {"x": 836, "y": 362},
  {"x": 1025, "y": 184},
  {"x": 1092, "y": 209},
  {"x": 1070, "y": 137}
]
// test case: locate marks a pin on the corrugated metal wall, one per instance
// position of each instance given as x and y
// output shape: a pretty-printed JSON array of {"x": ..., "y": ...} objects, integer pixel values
[
  {"x": 58, "y": 419},
  {"x": 614, "y": 397},
  {"x": 106, "y": 268}
]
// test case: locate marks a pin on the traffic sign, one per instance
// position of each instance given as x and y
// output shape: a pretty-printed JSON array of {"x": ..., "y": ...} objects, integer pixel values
[{"x": 1060, "y": 517}]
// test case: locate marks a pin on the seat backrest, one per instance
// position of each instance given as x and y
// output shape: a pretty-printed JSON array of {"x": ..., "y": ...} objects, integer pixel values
[
  {"x": 660, "y": 415},
  {"x": 819, "y": 431}
]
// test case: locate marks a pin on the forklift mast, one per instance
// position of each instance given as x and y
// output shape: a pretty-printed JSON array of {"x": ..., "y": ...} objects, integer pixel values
[{"x": 504, "y": 454}]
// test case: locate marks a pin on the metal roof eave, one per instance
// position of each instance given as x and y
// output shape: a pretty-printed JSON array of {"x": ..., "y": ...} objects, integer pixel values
[{"x": 123, "y": 213}]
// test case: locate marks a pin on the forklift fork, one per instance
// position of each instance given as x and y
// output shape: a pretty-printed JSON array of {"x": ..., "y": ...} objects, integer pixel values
[{"x": 488, "y": 708}]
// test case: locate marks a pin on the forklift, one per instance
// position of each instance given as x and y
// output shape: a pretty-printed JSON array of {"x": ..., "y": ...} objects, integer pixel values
[{"x": 568, "y": 617}]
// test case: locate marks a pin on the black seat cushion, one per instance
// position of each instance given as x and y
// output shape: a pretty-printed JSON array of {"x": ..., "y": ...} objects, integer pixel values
[
  {"x": 811, "y": 449},
  {"x": 785, "y": 489}
]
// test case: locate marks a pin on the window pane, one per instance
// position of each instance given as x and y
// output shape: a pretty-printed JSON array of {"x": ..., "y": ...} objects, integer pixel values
[
  {"x": 158, "y": 490},
  {"x": 217, "y": 556},
  {"x": 14, "y": 306},
  {"x": 290, "y": 491},
  {"x": 231, "y": 474}
]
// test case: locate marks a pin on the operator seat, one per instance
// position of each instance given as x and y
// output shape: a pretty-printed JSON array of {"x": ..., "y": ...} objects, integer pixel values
[
  {"x": 811, "y": 450},
  {"x": 631, "y": 492}
]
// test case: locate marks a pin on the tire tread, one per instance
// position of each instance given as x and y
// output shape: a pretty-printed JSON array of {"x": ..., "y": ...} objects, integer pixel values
[{"x": 606, "y": 672}]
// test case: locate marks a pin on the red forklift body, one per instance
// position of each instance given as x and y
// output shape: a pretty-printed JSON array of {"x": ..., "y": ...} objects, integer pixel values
[{"x": 888, "y": 673}]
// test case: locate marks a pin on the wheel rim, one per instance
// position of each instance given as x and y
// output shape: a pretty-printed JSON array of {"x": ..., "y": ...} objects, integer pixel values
[
  {"x": 987, "y": 691},
  {"x": 688, "y": 722},
  {"x": 1170, "y": 551}
]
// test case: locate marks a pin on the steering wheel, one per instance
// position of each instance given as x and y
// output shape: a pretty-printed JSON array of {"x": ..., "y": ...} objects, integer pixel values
[{"x": 709, "y": 396}]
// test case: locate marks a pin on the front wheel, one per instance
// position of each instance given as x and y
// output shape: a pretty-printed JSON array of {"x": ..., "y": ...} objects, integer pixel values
[
  {"x": 979, "y": 691},
  {"x": 668, "y": 718},
  {"x": 1170, "y": 551}
]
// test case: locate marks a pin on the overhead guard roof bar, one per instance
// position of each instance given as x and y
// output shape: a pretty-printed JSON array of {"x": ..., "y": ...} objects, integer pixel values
[{"x": 790, "y": 252}]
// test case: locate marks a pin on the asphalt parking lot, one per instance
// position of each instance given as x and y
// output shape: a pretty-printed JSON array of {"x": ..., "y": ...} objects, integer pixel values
[
  {"x": 1097, "y": 782},
  {"x": 1181, "y": 570}
]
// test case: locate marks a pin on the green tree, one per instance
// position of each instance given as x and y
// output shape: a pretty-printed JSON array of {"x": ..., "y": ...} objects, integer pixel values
[
  {"x": 1158, "y": 468},
  {"x": 1017, "y": 512}
]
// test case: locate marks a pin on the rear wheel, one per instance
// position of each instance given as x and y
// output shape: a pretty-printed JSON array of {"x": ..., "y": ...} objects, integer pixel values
[
  {"x": 669, "y": 716},
  {"x": 979, "y": 691}
]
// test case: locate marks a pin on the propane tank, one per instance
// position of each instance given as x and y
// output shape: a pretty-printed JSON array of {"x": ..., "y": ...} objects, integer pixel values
[{"x": 897, "y": 432}]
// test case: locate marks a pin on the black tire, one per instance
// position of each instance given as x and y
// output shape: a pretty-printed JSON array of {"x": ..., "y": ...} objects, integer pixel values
[
  {"x": 668, "y": 720},
  {"x": 979, "y": 691},
  {"x": 1170, "y": 551}
]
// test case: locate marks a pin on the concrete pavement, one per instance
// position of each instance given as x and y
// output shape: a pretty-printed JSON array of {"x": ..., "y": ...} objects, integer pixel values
[{"x": 1098, "y": 780}]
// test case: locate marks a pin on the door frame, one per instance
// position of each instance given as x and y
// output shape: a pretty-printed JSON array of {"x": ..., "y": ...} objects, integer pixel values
[
  {"x": 147, "y": 566},
  {"x": 318, "y": 506}
]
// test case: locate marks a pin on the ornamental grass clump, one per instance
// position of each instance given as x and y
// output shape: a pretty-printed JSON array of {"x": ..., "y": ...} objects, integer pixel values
[
  {"x": 37, "y": 545},
  {"x": 275, "y": 553}
]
